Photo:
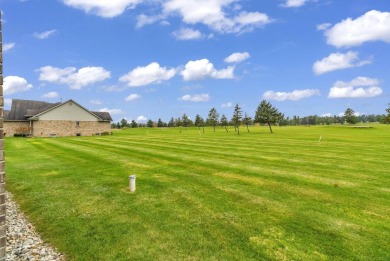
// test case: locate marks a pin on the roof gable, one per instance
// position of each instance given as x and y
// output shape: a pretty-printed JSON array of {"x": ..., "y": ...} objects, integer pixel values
[
  {"x": 69, "y": 110},
  {"x": 23, "y": 110}
]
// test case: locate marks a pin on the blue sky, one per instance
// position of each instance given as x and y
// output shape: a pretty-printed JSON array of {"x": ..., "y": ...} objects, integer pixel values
[{"x": 150, "y": 59}]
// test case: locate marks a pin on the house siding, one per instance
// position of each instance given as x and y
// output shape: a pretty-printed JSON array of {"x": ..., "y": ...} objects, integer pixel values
[{"x": 68, "y": 112}]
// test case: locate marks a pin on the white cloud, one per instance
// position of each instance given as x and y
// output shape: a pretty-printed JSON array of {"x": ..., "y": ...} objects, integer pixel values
[
  {"x": 187, "y": 34},
  {"x": 150, "y": 74},
  {"x": 200, "y": 69},
  {"x": 360, "y": 87},
  {"x": 44, "y": 35},
  {"x": 372, "y": 26},
  {"x": 143, "y": 20},
  {"x": 75, "y": 79},
  {"x": 8, "y": 46},
  {"x": 227, "y": 105},
  {"x": 141, "y": 119},
  {"x": 50, "y": 95},
  {"x": 338, "y": 61},
  {"x": 114, "y": 88},
  {"x": 214, "y": 14},
  {"x": 112, "y": 111},
  {"x": 96, "y": 102},
  {"x": 196, "y": 97},
  {"x": 103, "y": 8},
  {"x": 324, "y": 26},
  {"x": 133, "y": 97},
  {"x": 341, "y": 114},
  {"x": 294, "y": 3},
  {"x": 218, "y": 15},
  {"x": 237, "y": 57},
  {"x": 15, "y": 84},
  {"x": 294, "y": 95},
  {"x": 327, "y": 114}
]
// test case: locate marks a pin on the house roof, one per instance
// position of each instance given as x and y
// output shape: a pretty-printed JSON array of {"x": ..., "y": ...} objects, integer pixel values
[{"x": 22, "y": 110}]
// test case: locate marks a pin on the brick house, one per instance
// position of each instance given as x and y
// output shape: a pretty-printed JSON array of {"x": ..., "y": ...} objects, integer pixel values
[{"x": 42, "y": 119}]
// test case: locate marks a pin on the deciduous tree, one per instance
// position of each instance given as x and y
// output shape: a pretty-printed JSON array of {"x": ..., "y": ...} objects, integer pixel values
[{"x": 349, "y": 116}]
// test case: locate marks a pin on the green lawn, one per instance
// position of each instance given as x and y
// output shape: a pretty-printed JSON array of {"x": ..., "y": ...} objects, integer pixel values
[{"x": 212, "y": 196}]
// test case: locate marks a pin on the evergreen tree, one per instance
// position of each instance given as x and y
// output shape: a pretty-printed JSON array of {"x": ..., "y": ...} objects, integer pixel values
[
  {"x": 160, "y": 123},
  {"x": 213, "y": 117},
  {"x": 197, "y": 120},
  {"x": 387, "y": 117},
  {"x": 185, "y": 120},
  {"x": 266, "y": 113},
  {"x": 171, "y": 123},
  {"x": 133, "y": 124},
  {"x": 224, "y": 122},
  {"x": 178, "y": 123},
  {"x": 150, "y": 124},
  {"x": 237, "y": 117},
  {"x": 247, "y": 121}
]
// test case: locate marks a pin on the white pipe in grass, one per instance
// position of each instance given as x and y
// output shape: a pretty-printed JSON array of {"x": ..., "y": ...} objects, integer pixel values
[{"x": 132, "y": 183}]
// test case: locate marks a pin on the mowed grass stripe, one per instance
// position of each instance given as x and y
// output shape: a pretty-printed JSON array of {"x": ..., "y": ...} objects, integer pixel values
[
  {"x": 284, "y": 180},
  {"x": 202, "y": 199}
]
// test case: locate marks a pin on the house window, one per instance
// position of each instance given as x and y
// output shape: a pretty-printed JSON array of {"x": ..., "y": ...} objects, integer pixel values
[{"x": 77, "y": 124}]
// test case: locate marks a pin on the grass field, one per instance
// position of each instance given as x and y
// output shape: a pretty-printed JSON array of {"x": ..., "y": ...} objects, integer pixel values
[{"x": 212, "y": 196}]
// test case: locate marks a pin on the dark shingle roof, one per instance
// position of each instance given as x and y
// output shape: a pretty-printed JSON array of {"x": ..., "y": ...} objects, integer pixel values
[
  {"x": 105, "y": 116},
  {"x": 24, "y": 109}
]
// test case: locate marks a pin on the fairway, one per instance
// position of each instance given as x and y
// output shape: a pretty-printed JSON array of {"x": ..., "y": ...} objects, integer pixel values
[{"x": 209, "y": 196}]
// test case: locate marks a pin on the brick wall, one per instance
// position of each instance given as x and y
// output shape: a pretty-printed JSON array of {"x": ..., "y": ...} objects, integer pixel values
[
  {"x": 3, "y": 238},
  {"x": 69, "y": 128},
  {"x": 11, "y": 127},
  {"x": 57, "y": 128}
]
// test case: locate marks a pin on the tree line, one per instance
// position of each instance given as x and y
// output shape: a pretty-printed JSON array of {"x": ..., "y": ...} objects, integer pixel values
[{"x": 266, "y": 114}]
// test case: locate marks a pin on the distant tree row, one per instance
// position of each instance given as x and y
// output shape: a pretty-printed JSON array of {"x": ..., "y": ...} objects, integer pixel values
[{"x": 266, "y": 114}]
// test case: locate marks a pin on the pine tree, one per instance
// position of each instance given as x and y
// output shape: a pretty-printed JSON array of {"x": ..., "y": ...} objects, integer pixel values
[
  {"x": 197, "y": 121},
  {"x": 150, "y": 124},
  {"x": 160, "y": 123},
  {"x": 266, "y": 113},
  {"x": 224, "y": 122},
  {"x": 247, "y": 121},
  {"x": 213, "y": 117},
  {"x": 133, "y": 124},
  {"x": 236, "y": 119},
  {"x": 171, "y": 122},
  {"x": 387, "y": 118},
  {"x": 185, "y": 120}
]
